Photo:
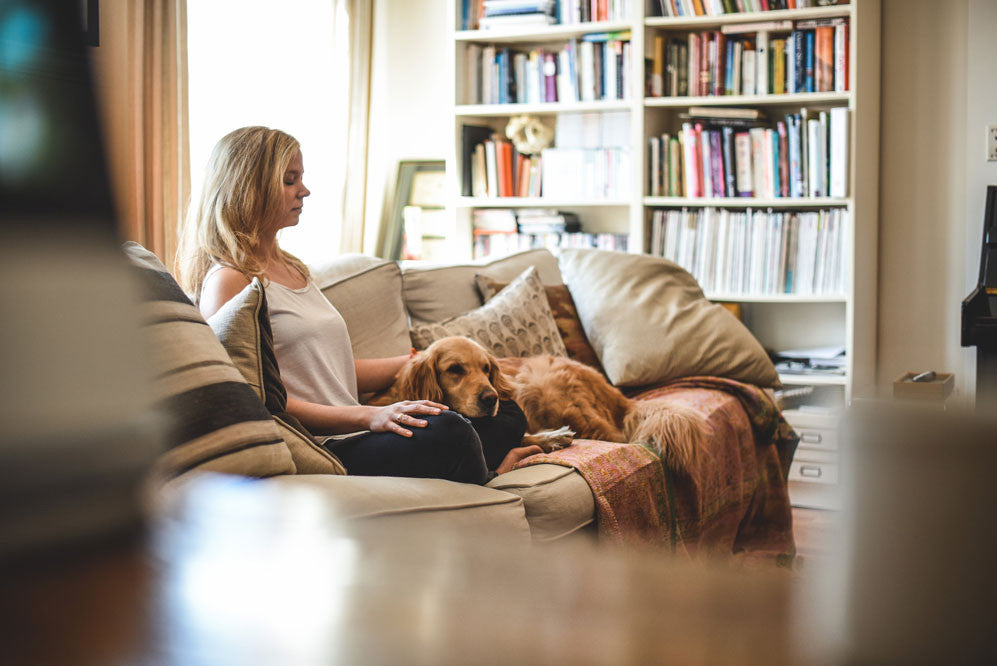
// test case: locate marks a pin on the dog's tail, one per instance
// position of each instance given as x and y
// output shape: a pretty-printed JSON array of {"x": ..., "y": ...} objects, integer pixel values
[{"x": 675, "y": 432}]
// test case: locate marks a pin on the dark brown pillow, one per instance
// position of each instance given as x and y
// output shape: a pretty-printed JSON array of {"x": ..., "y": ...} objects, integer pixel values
[{"x": 565, "y": 316}]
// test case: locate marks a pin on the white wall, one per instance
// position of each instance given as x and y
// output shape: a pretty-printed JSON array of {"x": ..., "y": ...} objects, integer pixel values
[
  {"x": 938, "y": 95},
  {"x": 410, "y": 97}
]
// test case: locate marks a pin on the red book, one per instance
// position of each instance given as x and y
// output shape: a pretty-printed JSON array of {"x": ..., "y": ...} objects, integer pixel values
[
  {"x": 507, "y": 164},
  {"x": 522, "y": 175},
  {"x": 720, "y": 67},
  {"x": 824, "y": 58}
]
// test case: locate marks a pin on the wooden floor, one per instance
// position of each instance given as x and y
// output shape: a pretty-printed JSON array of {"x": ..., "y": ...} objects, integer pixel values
[{"x": 814, "y": 533}]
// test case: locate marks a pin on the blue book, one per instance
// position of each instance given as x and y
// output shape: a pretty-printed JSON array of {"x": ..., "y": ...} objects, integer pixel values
[
  {"x": 503, "y": 63},
  {"x": 808, "y": 62},
  {"x": 729, "y": 69}
]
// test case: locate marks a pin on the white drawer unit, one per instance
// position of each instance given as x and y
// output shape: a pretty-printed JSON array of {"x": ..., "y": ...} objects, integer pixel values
[{"x": 813, "y": 474}]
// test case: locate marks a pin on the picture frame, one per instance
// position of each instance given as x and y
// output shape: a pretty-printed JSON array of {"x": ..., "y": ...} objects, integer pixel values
[{"x": 419, "y": 183}]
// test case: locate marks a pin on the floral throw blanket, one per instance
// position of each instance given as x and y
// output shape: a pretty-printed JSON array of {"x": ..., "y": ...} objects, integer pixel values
[{"x": 732, "y": 501}]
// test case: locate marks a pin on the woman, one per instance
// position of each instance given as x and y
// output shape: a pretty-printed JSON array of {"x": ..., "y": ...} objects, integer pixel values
[{"x": 254, "y": 188}]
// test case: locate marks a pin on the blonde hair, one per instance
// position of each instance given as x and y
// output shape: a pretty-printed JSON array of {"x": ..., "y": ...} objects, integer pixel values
[{"x": 241, "y": 198}]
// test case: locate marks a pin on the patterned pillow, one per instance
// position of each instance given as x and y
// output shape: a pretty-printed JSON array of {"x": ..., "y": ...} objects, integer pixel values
[
  {"x": 565, "y": 316},
  {"x": 243, "y": 327},
  {"x": 516, "y": 322},
  {"x": 214, "y": 420}
]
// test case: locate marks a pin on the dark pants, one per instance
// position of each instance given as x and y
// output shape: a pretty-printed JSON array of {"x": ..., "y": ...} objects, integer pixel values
[{"x": 450, "y": 447}]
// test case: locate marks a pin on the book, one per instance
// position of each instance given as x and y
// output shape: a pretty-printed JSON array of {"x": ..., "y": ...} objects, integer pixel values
[
  {"x": 778, "y": 66},
  {"x": 658, "y": 67},
  {"x": 744, "y": 170},
  {"x": 748, "y": 71},
  {"x": 725, "y": 112},
  {"x": 841, "y": 57},
  {"x": 824, "y": 58},
  {"x": 479, "y": 178},
  {"x": 838, "y": 152},
  {"x": 762, "y": 63},
  {"x": 783, "y": 139}
]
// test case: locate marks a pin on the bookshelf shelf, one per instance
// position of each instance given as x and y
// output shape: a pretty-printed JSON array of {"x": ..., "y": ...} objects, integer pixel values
[
  {"x": 813, "y": 380},
  {"x": 791, "y": 99},
  {"x": 546, "y": 108},
  {"x": 777, "y": 298},
  {"x": 745, "y": 202},
  {"x": 700, "y": 22},
  {"x": 535, "y": 202},
  {"x": 552, "y": 33}
]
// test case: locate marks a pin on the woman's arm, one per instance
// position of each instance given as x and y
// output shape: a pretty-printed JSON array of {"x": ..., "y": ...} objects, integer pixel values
[
  {"x": 328, "y": 420},
  {"x": 375, "y": 374},
  {"x": 219, "y": 288}
]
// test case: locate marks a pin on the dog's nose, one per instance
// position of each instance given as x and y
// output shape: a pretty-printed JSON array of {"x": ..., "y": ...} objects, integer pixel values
[{"x": 487, "y": 399}]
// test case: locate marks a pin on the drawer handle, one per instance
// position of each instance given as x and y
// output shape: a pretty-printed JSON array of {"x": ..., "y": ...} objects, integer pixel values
[
  {"x": 810, "y": 438},
  {"x": 809, "y": 470}
]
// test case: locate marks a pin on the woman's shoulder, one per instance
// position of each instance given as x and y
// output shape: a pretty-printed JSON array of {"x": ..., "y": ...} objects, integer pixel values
[{"x": 220, "y": 284}]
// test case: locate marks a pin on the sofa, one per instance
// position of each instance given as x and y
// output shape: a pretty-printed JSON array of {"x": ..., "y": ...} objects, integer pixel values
[{"x": 735, "y": 501}]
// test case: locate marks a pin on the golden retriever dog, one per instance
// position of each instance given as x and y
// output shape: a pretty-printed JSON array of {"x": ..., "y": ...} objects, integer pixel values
[{"x": 561, "y": 398}]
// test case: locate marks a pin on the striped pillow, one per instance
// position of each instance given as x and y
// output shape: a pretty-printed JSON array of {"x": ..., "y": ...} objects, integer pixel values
[
  {"x": 243, "y": 327},
  {"x": 215, "y": 421}
]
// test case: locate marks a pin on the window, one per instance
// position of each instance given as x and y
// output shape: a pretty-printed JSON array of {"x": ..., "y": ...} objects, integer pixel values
[{"x": 258, "y": 62}]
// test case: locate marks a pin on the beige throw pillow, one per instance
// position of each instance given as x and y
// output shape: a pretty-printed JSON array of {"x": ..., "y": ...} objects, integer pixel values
[
  {"x": 517, "y": 321},
  {"x": 649, "y": 322}
]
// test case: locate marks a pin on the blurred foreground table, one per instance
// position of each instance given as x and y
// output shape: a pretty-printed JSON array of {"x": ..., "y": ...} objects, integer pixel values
[{"x": 238, "y": 572}]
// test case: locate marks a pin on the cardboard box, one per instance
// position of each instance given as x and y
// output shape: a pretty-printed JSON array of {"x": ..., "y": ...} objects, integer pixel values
[{"x": 937, "y": 389}]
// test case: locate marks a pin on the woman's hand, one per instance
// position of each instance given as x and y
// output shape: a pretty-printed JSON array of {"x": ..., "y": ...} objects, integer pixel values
[{"x": 393, "y": 417}]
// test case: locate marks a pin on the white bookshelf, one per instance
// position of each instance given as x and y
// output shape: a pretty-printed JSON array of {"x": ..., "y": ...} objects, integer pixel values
[{"x": 779, "y": 321}]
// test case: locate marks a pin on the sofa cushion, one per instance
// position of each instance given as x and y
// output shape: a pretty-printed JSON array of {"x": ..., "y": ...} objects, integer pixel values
[
  {"x": 243, "y": 327},
  {"x": 419, "y": 504},
  {"x": 369, "y": 296},
  {"x": 557, "y": 499},
  {"x": 565, "y": 317},
  {"x": 649, "y": 322},
  {"x": 433, "y": 294},
  {"x": 516, "y": 322},
  {"x": 214, "y": 419}
]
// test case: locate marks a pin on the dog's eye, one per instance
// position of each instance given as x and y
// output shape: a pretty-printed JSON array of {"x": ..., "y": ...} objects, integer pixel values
[
  {"x": 456, "y": 369},
  {"x": 488, "y": 369}
]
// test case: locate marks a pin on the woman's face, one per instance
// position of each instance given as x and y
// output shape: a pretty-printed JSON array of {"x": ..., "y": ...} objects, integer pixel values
[{"x": 294, "y": 193}]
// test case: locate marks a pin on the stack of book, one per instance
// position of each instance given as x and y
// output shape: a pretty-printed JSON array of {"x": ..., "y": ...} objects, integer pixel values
[
  {"x": 500, "y": 231},
  {"x": 773, "y": 57},
  {"x": 488, "y": 14},
  {"x": 595, "y": 68},
  {"x": 812, "y": 361},
  {"x": 498, "y": 244},
  {"x": 721, "y": 7},
  {"x": 515, "y": 14},
  {"x": 728, "y": 153},
  {"x": 755, "y": 252}
]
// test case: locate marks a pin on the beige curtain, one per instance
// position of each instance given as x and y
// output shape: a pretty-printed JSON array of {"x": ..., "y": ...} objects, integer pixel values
[
  {"x": 361, "y": 14},
  {"x": 142, "y": 67}
]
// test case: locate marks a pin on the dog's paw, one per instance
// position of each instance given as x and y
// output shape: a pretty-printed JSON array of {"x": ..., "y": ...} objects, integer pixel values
[{"x": 552, "y": 440}]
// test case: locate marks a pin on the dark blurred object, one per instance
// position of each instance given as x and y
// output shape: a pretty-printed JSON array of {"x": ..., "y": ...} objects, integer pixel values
[
  {"x": 979, "y": 311},
  {"x": 921, "y": 536},
  {"x": 52, "y": 166},
  {"x": 77, "y": 435}
]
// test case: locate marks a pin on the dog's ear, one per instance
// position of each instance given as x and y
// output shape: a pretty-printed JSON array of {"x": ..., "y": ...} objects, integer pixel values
[
  {"x": 417, "y": 379},
  {"x": 502, "y": 385}
]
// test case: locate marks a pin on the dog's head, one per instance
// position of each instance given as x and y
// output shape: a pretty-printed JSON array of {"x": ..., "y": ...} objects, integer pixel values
[{"x": 458, "y": 372}]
